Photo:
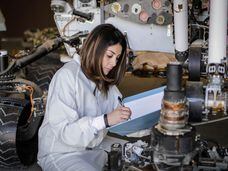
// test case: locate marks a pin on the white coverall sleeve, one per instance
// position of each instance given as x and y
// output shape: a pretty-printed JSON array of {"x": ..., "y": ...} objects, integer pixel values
[{"x": 62, "y": 112}]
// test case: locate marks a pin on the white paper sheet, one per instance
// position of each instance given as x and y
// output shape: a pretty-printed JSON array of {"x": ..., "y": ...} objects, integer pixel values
[
  {"x": 145, "y": 109},
  {"x": 145, "y": 105}
]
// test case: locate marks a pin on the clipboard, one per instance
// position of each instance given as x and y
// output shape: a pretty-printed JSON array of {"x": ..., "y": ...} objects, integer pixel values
[{"x": 145, "y": 109}]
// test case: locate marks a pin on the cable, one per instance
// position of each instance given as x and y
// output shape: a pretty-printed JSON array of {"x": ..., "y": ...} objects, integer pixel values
[
  {"x": 67, "y": 24},
  {"x": 212, "y": 121},
  {"x": 31, "y": 91}
]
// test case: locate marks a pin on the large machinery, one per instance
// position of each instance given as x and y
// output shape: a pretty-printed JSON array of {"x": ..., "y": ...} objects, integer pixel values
[
  {"x": 174, "y": 143},
  {"x": 213, "y": 63},
  {"x": 215, "y": 96},
  {"x": 175, "y": 26},
  {"x": 151, "y": 19},
  {"x": 166, "y": 26},
  {"x": 200, "y": 49}
]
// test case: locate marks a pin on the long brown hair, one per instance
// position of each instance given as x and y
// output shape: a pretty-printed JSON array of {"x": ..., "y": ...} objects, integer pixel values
[{"x": 92, "y": 53}]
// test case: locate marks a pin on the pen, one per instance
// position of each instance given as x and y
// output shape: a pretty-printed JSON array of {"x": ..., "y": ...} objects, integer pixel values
[{"x": 121, "y": 103}]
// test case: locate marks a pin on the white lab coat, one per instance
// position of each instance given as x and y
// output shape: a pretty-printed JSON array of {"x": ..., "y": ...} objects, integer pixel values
[{"x": 66, "y": 133}]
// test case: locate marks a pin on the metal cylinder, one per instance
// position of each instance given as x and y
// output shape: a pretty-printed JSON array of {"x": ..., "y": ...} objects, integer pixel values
[
  {"x": 181, "y": 29},
  {"x": 3, "y": 60},
  {"x": 173, "y": 150},
  {"x": 217, "y": 31},
  {"x": 173, "y": 116},
  {"x": 115, "y": 157},
  {"x": 174, "y": 110},
  {"x": 174, "y": 76}
]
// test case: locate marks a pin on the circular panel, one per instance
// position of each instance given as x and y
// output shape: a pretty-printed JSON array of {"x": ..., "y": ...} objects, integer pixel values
[
  {"x": 160, "y": 19},
  {"x": 143, "y": 16},
  {"x": 116, "y": 7},
  {"x": 136, "y": 8},
  {"x": 156, "y": 4},
  {"x": 125, "y": 8}
]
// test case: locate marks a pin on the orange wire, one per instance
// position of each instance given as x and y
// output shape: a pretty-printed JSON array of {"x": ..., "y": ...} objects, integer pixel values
[{"x": 31, "y": 90}]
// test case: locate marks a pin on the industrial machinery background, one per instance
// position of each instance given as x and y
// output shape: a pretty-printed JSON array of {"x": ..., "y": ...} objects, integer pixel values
[
  {"x": 173, "y": 26},
  {"x": 174, "y": 144},
  {"x": 177, "y": 26},
  {"x": 22, "y": 103}
]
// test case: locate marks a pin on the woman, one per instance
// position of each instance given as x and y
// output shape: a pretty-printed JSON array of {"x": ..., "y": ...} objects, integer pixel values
[{"x": 82, "y": 102}]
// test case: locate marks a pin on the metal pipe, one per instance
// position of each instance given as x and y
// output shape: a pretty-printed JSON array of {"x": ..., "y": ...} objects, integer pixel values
[
  {"x": 181, "y": 28},
  {"x": 174, "y": 76},
  {"x": 174, "y": 110},
  {"x": 217, "y": 31}
]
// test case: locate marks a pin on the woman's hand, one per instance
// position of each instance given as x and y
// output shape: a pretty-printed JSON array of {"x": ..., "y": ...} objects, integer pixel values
[{"x": 119, "y": 115}]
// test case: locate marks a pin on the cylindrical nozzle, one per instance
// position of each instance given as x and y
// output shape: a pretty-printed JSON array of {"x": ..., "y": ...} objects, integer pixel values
[
  {"x": 174, "y": 112},
  {"x": 174, "y": 76},
  {"x": 3, "y": 60}
]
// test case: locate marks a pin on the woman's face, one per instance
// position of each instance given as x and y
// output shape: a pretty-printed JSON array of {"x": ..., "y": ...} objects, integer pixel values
[{"x": 111, "y": 57}]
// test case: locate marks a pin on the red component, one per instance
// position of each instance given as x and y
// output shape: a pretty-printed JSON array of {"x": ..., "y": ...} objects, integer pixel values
[
  {"x": 156, "y": 4},
  {"x": 143, "y": 16}
]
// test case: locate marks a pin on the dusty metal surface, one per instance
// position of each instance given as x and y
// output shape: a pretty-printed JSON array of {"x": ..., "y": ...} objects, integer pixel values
[{"x": 215, "y": 130}]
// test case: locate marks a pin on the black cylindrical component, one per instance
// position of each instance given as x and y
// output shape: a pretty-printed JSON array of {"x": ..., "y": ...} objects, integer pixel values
[
  {"x": 181, "y": 144},
  {"x": 173, "y": 149},
  {"x": 4, "y": 61},
  {"x": 44, "y": 49},
  {"x": 174, "y": 76},
  {"x": 195, "y": 95},
  {"x": 87, "y": 16},
  {"x": 174, "y": 96},
  {"x": 194, "y": 63},
  {"x": 115, "y": 157}
]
